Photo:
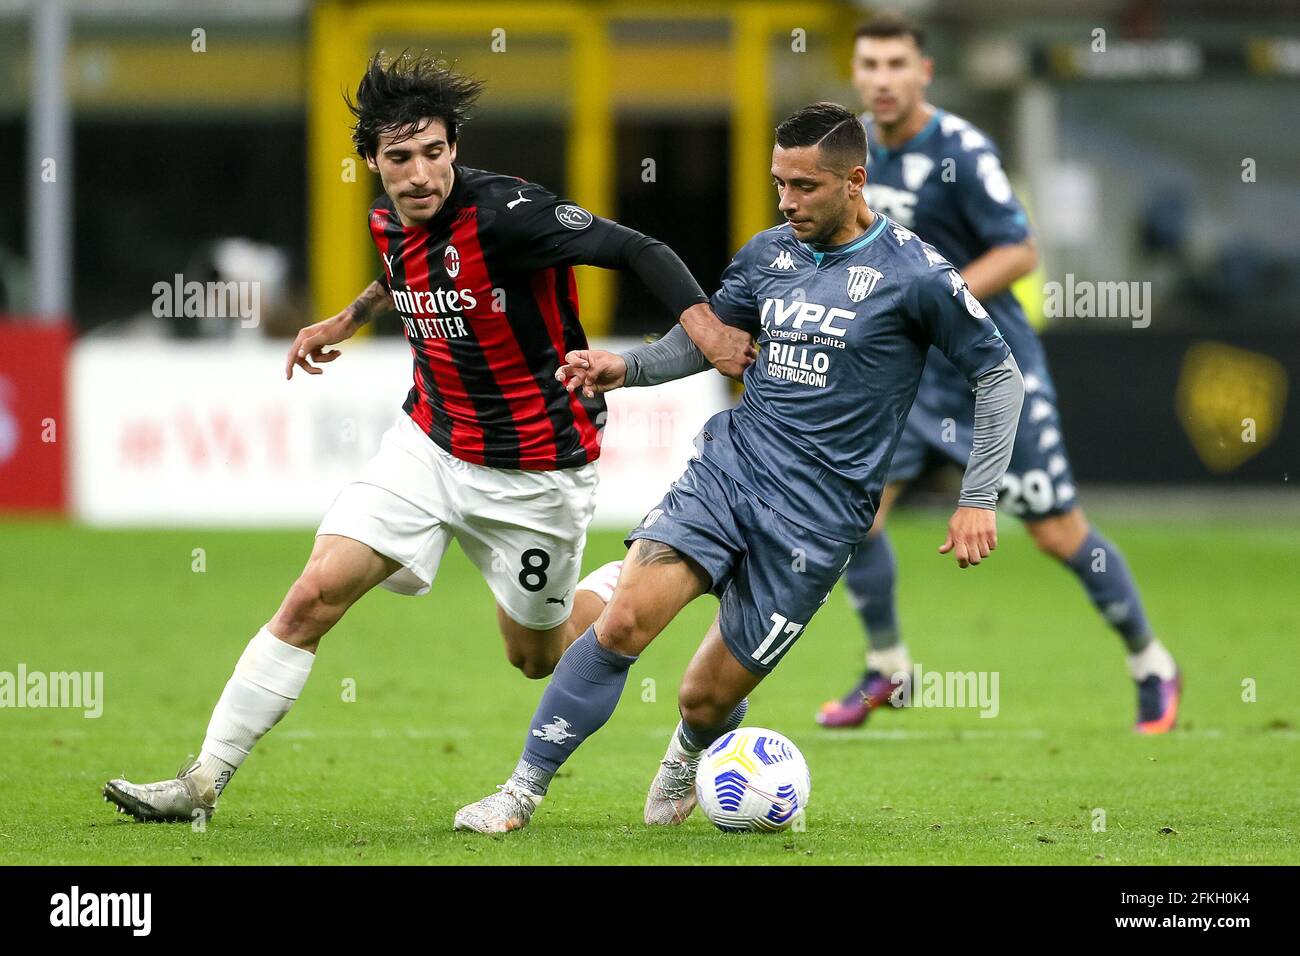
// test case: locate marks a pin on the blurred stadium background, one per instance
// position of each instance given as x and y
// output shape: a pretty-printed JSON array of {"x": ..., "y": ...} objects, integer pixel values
[{"x": 148, "y": 144}]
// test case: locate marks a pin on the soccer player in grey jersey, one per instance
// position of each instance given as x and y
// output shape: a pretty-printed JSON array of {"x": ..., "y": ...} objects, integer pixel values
[
  {"x": 937, "y": 174},
  {"x": 844, "y": 304}
]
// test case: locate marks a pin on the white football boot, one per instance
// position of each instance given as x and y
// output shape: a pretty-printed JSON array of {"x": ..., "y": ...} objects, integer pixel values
[
  {"x": 510, "y": 808},
  {"x": 672, "y": 792},
  {"x": 181, "y": 799}
]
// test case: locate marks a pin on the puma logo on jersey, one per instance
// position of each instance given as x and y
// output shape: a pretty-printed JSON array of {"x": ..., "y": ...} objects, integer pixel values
[
  {"x": 515, "y": 202},
  {"x": 783, "y": 260}
]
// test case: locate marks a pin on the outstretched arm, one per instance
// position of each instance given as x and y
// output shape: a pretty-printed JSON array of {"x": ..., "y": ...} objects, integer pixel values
[
  {"x": 973, "y": 531},
  {"x": 593, "y": 370},
  {"x": 546, "y": 231},
  {"x": 959, "y": 326},
  {"x": 310, "y": 344},
  {"x": 728, "y": 349}
]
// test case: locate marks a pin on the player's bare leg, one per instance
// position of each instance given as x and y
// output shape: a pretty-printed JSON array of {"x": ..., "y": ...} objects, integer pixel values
[
  {"x": 655, "y": 584},
  {"x": 713, "y": 702},
  {"x": 536, "y": 652},
  {"x": 267, "y": 680},
  {"x": 1104, "y": 574},
  {"x": 887, "y": 655}
]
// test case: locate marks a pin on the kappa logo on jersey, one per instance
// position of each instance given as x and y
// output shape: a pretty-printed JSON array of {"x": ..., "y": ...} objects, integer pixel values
[
  {"x": 933, "y": 256},
  {"x": 451, "y": 260},
  {"x": 573, "y": 217},
  {"x": 951, "y": 124},
  {"x": 902, "y": 235},
  {"x": 972, "y": 139},
  {"x": 862, "y": 281},
  {"x": 916, "y": 167},
  {"x": 783, "y": 260},
  {"x": 556, "y": 732},
  {"x": 515, "y": 202},
  {"x": 995, "y": 181}
]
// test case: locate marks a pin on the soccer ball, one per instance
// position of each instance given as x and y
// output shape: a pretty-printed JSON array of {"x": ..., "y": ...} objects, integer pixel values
[{"x": 752, "y": 779}]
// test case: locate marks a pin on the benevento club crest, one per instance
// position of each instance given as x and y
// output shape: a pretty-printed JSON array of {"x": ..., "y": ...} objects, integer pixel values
[{"x": 862, "y": 281}]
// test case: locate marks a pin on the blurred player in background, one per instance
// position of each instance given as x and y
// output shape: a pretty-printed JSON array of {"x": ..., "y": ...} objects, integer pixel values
[
  {"x": 491, "y": 449},
  {"x": 844, "y": 304},
  {"x": 935, "y": 173}
]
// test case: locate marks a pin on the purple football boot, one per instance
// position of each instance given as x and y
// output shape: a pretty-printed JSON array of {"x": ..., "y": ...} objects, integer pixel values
[
  {"x": 874, "y": 690},
  {"x": 1158, "y": 703}
]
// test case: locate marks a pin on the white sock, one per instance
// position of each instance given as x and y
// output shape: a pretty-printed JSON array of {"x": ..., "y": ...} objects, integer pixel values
[
  {"x": 267, "y": 680},
  {"x": 890, "y": 661},
  {"x": 1154, "y": 659},
  {"x": 601, "y": 581}
]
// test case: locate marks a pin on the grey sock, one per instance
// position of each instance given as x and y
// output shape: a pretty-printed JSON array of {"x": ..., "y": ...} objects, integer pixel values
[
  {"x": 698, "y": 739},
  {"x": 870, "y": 578},
  {"x": 581, "y": 696},
  {"x": 1104, "y": 574}
]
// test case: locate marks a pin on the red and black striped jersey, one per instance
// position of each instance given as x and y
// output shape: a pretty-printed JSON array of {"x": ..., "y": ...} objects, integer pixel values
[{"x": 487, "y": 298}]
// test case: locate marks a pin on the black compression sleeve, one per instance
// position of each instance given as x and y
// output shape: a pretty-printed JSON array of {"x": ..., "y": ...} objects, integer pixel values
[{"x": 656, "y": 265}]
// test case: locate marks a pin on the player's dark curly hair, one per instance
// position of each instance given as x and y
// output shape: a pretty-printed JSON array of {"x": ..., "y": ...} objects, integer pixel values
[
  {"x": 836, "y": 130},
  {"x": 403, "y": 93}
]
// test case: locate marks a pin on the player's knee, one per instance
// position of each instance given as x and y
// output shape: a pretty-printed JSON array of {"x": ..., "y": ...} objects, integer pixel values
[
  {"x": 315, "y": 598},
  {"x": 622, "y": 628},
  {"x": 1058, "y": 537},
  {"x": 701, "y": 705},
  {"x": 534, "y": 665},
  {"x": 703, "y": 711}
]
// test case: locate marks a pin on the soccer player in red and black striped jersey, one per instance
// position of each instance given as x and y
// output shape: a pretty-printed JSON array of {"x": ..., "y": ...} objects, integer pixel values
[{"x": 490, "y": 449}]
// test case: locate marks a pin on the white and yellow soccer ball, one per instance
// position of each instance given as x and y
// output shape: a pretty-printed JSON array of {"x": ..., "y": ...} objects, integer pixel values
[{"x": 753, "y": 779}]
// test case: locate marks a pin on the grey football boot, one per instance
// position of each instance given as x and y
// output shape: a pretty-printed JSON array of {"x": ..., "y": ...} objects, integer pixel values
[{"x": 181, "y": 799}]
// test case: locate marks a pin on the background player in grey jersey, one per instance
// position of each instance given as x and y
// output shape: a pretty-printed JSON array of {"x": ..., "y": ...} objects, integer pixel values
[
  {"x": 974, "y": 219},
  {"x": 844, "y": 304}
]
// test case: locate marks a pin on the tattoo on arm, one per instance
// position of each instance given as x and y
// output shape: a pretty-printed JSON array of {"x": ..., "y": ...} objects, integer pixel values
[
  {"x": 647, "y": 552},
  {"x": 370, "y": 302}
]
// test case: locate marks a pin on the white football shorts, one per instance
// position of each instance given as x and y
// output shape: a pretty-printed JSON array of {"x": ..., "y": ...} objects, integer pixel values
[{"x": 524, "y": 530}]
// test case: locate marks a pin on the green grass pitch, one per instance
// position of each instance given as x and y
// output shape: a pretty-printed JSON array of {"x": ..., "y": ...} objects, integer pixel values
[{"x": 439, "y": 716}]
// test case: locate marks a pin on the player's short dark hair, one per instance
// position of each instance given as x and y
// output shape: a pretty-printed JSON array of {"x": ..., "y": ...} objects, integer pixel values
[
  {"x": 405, "y": 92},
  {"x": 888, "y": 25},
  {"x": 831, "y": 127}
]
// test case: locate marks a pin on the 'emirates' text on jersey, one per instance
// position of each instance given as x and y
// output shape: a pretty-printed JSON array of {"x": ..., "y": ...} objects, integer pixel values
[
  {"x": 842, "y": 336},
  {"x": 487, "y": 298}
]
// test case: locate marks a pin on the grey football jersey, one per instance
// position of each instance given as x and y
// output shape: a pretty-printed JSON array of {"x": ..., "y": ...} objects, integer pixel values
[{"x": 842, "y": 335}]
